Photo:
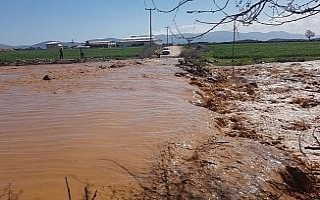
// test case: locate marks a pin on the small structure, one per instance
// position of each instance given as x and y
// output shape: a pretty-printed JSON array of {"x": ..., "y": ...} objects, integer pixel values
[
  {"x": 54, "y": 45},
  {"x": 81, "y": 47},
  {"x": 143, "y": 40},
  {"x": 101, "y": 43}
]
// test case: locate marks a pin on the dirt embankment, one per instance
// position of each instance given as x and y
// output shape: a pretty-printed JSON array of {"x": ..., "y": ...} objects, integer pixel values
[
  {"x": 266, "y": 145},
  {"x": 269, "y": 121}
]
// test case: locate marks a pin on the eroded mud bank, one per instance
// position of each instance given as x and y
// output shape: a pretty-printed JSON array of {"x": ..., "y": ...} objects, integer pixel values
[
  {"x": 265, "y": 145},
  {"x": 269, "y": 116}
]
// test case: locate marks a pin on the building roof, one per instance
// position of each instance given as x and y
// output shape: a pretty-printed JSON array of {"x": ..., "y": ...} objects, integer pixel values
[
  {"x": 143, "y": 38},
  {"x": 139, "y": 38},
  {"x": 51, "y": 43}
]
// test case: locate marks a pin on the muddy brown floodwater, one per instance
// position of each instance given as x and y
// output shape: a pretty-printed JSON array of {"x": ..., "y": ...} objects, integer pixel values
[{"x": 85, "y": 118}]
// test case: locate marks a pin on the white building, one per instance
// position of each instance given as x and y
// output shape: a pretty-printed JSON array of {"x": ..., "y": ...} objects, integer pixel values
[
  {"x": 54, "y": 45},
  {"x": 101, "y": 43},
  {"x": 139, "y": 41}
]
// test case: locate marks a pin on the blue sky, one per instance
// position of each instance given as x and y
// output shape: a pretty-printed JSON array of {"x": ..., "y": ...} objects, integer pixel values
[{"x": 33, "y": 21}]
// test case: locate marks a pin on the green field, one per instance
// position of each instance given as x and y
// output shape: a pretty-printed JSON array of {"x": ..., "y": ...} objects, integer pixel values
[
  {"x": 249, "y": 53},
  {"x": 112, "y": 53}
]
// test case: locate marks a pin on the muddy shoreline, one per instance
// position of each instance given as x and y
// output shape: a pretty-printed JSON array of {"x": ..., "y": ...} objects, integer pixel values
[
  {"x": 248, "y": 155},
  {"x": 264, "y": 143}
]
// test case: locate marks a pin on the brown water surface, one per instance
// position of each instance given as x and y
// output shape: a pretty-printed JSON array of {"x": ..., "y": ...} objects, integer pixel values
[{"x": 72, "y": 125}]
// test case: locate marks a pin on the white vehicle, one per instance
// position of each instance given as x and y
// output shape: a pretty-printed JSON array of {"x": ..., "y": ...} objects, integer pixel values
[{"x": 165, "y": 51}]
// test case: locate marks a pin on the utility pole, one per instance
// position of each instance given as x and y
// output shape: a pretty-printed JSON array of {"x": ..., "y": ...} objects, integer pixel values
[
  {"x": 150, "y": 13},
  {"x": 189, "y": 41},
  {"x": 167, "y": 27},
  {"x": 233, "y": 43},
  {"x": 172, "y": 35}
]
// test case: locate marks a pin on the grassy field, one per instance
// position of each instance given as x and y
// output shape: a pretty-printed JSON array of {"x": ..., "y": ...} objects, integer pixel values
[
  {"x": 250, "y": 53},
  {"x": 10, "y": 56}
]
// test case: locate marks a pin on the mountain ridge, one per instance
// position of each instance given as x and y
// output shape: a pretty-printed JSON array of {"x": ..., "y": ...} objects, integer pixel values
[{"x": 227, "y": 36}]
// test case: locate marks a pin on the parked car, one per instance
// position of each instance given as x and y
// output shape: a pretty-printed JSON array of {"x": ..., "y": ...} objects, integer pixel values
[{"x": 165, "y": 51}]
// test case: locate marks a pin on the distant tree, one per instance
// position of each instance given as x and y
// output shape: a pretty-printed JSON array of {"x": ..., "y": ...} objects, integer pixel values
[{"x": 309, "y": 34}]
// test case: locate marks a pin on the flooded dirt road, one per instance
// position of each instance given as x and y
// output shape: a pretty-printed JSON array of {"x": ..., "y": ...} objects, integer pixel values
[
  {"x": 145, "y": 129},
  {"x": 86, "y": 118}
]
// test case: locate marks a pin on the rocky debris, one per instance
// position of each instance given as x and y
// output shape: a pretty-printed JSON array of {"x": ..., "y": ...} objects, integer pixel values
[
  {"x": 297, "y": 126},
  {"x": 68, "y": 61},
  {"x": 253, "y": 84},
  {"x": 181, "y": 61},
  {"x": 37, "y": 61},
  {"x": 46, "y": 61},
  {"x": 224, "y": 168},
  {"x": 117, "y": 65},
  {"x": 48, "y": 77},
  {"x": 306, "y": 102},
  {"x": 181, "y": 74},
  {"x": 138, "y": 63},
  {"x": 102, "y": 67},
  {"x": 218, "y": 89},
  {"x": 114, "y": 65},
  {"x": 197, "y": 70}
]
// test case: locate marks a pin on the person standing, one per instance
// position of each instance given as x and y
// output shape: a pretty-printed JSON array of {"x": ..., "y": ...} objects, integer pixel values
[
  {"x": 81, "y": 53},
  {"x": 61, "y": 53}
]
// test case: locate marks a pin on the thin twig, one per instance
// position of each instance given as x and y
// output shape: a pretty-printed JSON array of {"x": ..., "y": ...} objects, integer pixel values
[
  {"x": 314, "y": 136},
  {"x": 312, "y": 148},
  {"x": 300, "y": 147},
  {"x": 9, "y": 195},
  {"x": 68, "y": 188},
  {"x": 9, "y": 192},
  {"x": 135, "y": 177},
  {"x": 95, "y": 195},
  {"x": 86, "y": 193}
]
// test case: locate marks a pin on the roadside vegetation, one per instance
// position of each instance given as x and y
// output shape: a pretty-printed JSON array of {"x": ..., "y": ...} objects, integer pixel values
[
  {"x": 16, "y": 56},
  {"x": 253, "y": 53}
]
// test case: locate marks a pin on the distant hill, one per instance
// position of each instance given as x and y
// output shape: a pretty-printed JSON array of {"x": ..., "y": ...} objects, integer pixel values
[
  {"x": 4, "y": 46},
  {"x": 227, "y": 36},
  {"x": 42, "y": 45}
]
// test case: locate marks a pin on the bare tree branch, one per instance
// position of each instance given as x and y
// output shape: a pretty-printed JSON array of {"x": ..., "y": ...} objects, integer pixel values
[{"x": 246, "y": 12}]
